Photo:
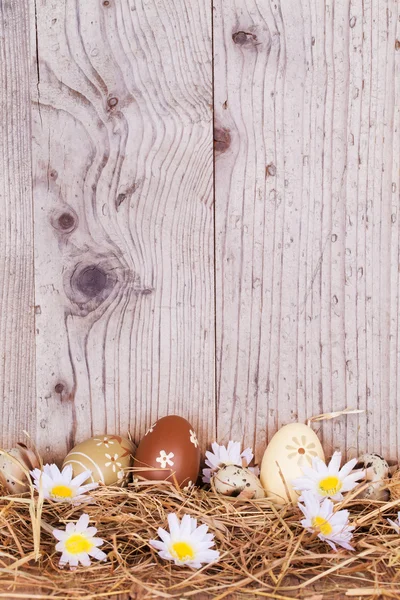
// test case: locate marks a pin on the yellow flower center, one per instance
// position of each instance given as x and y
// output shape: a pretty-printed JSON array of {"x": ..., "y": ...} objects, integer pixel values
[
  {"x": 330, "y": 486},
  {"x": 78, "y": 543},
  {"x": 61, "y": 491},
  {"x": 182, "y": 551},
  {"x": 321, "y": 525}
]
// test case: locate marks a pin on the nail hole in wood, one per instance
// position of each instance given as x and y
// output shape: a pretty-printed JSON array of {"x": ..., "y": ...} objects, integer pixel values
[{"x": 59, "y": 388}]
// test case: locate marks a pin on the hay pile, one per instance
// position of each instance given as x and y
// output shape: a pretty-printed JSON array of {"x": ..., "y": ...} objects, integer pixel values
[{"x": 265, "y": 553}]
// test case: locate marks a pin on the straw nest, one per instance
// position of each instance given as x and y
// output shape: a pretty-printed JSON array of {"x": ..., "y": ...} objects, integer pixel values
[{"x": 265, "y": 553}]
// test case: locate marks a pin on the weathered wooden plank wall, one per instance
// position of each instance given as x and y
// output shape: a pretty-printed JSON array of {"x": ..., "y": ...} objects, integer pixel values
[
  {"x": 17, "y": 340},
  {"x": 307, "y": 196},
  {"x": 243, "y": 289},
  {"x": 123, "y": 217}
]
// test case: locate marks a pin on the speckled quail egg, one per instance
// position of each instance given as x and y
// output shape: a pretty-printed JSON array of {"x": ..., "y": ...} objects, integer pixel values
[
  {"x": 14, "y": 467},
  {"x": 376, "y": 471},
  {"x": 231, "y": 480}
]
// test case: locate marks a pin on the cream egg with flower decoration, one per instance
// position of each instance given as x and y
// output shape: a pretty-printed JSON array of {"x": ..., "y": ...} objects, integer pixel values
[
  {"x": 293, "y": 447},
  {"x": 291, "y": 450},
  {"x": 108, "y": 457}
]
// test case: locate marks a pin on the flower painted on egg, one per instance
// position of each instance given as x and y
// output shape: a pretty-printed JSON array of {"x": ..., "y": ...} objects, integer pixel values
[
  {"x": 165, "y": 459},
  {"x": 301, "y": 450},
  {"x": 193, "y": 438},
  {"x": 151, "y": 429},
  {"x": 113, "y": 462},
  {"x": 106, "y": 441}
]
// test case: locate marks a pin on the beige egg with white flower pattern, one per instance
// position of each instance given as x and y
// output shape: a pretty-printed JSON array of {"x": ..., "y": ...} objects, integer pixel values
[
  {"x": 108, "y": 457},
  {"x": 291, "y": 448}
]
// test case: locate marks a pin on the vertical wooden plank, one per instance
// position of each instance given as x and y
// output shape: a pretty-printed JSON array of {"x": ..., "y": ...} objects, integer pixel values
[
  {"x": 306, "y": 219},
  {"x": 17, "y": 349},
  {"x": 123, "y": 162}
]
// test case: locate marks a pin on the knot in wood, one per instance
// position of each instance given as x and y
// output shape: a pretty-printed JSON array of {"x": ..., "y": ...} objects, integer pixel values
[
  {"x": 222, "y": 139},
  {"x": 66, "y": 221},
  {"x": 244, "y": 37},
  {"x": 112, "y": 102},
  {"x": 91, "y": 281},
  {"x": 88, "y": 283}
]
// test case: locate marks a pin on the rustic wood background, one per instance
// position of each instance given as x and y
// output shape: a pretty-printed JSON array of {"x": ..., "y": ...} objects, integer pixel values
[{"x": 243, "y": 280}]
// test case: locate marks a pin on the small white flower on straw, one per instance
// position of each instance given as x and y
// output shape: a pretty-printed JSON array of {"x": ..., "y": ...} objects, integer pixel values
[
  {"x": 60, "y": 486},
  {"x": 78, "y": 543},
  {"x": 231, "y": 455},
  {"x": 332, "y": 528},
  {"x": 185, "y": 543},
  {"x": 329, "y": 481},
  {"x": 395, "y": 524}
]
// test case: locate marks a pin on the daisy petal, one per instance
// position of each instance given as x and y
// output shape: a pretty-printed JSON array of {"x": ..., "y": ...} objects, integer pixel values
[
  {"x": 334, "y": 464},
  {"x": 82, "y": 523},
  {"x": 97, "y": 554},
  {"x": 67, "y": 473},
  {"x": 81, "y": 478},
  {"x": 85, "y": 560}
]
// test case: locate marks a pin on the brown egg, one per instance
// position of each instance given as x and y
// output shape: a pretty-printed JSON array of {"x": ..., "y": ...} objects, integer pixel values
[{"x": 171, "y": 448}]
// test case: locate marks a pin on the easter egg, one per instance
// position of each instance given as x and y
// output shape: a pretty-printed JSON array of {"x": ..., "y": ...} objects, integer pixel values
[
  {"x": 231, "y": 480},
  {"x": 170, "y": 448},
  {"x": 107, "y": 456},
  {"x": 291, "y": 448},
  {"x": 376, "y": 472},
  {"x": 15, "y": 466}
]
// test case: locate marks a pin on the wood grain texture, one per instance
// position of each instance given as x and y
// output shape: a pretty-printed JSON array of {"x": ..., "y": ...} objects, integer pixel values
[
  {"x": 307, "y": 192},
  {"x": 307, "y": 234},
  {"x": 17, "y": 348},
  {"x": 123, "y": 173}
]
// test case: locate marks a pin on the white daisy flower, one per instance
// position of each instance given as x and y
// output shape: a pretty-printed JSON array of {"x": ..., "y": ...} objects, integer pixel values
[
  {"x": 59, "y": 486},
  {"x": 185, "y": 543},
  {"x": 395, "y": 524},
  {"x": 231, "y": 455},
  {"x": 78, "y": 543},
  {"x": 328, "y": 481},
  {"x": 332, "y": 528}
]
